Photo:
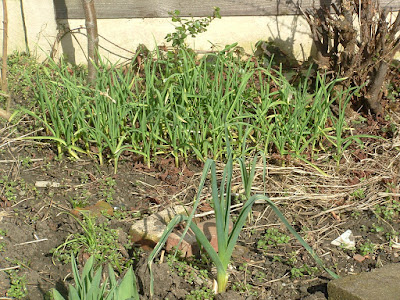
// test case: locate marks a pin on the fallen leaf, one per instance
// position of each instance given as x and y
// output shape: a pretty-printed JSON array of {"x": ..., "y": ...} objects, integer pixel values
[{"x": 94, "y": 210}]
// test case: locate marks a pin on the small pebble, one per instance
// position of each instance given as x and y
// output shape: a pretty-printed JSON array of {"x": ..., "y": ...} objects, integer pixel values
[{"x": 303, "y": 289}]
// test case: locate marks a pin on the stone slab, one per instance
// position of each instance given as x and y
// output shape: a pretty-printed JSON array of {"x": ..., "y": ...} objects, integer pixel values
[{"x": 379, "y": 284}]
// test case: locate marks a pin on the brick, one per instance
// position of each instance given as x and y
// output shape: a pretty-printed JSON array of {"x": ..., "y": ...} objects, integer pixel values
[
  {"x": 359, "y": 258},
  {"x": 378, "y": 284},
  {"x": 189, "y": 245}
]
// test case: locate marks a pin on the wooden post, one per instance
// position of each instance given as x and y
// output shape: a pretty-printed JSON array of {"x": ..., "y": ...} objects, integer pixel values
[
  {"x": 93, "y": 39},
  {"x": 4, "y": 84}
]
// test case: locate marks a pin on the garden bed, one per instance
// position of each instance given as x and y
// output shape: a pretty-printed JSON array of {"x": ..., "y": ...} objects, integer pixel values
[
  {"x": 361, "y": 195},
  {"x": 137, "y": 144}
]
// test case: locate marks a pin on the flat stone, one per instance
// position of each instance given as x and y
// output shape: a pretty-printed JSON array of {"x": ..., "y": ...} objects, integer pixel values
[
  {"x": 148, "y": 231},
  {"x": 378, "y": 284}
]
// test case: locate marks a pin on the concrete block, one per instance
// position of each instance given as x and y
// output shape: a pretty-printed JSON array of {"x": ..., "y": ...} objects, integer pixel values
[{"x": 379, "y": 284}]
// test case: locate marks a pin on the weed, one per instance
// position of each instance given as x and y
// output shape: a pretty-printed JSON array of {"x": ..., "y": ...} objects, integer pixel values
[
  {"x": 80, "y": 200},
  {"x": 190, "y": 270},
  {"x": 272, "y": 237},
  {"x": 242, "y": 267},
  {"x": 358, "y": 194},
  {"x": 21, "y": 65},
  {"x": 107, "y": 190},
  {"x": 97, "y": 240},
  {"x": 260, "y": 276},
  {"x": 388, "y": 210},
  {"x": 377, "y": 228},
  {"x": 391, "y": 235},
  {"x": 356, "y": 214},
  {"x": 200, "y": 294},
  {"x": 26, "y": 162},
  {"x": 277, "y": 258},
  {"x": 245, "y": 288},
  {"x": 297, "y": 272},
  {"x": 188, "y": 27},
  {"x": 292, "y": 258},
  {"x": 121, "y": 213},
  {"x": 8, "y": 188},
  {"x": 2, "y": 245},
  {"x": 84, "y": 178},
  {"x": 366, "y": 248},
  {"x": 18, "y": 288}
]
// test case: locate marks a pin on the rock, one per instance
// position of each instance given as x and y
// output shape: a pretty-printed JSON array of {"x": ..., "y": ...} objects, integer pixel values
[
  {"x": 316, "y": 296},
  {"x": 380, "y": 283},
  {"x": 148, "y": 231}
]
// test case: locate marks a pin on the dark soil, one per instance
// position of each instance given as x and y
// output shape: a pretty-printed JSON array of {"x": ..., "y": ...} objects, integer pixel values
[{"x": 362, "y": 194}]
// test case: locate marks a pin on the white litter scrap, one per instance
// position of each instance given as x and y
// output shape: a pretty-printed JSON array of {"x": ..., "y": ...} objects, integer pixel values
[
  {"x": 395, "y": 243},
  {"x": 43, "y": 184},
  {"x": 346, "y": 240}
]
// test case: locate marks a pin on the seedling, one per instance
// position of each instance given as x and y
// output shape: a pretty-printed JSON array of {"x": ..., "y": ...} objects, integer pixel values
[
  {"x": 186, "y": 269},
  {"x": 2, "y": 244},
  {"x": 272, "y": 237},
  {"x": 377, "y": 228},
  {"x": 244, "y": 288},
  {"x": 358, "y": 194},
  {"x": 366, "y": 248},
  {"x": 297, "y": 272},
  {"x": 203, "y": 293},
  {"x": 388, "y": 210},
  {"x": 18, "y": 288},
  {"x": 97, "y": 240},
  {"x": 8, "y": 188}
]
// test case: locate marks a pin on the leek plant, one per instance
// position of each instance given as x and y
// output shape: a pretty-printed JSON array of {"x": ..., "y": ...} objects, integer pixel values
[
  {"x": 88, "y": 285},
  {"x": 63, "y": 119},
  {"x": 221, "y": 202},
  {"x": 179, "y": 106},
  {"x": 340, "y": 142}
]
